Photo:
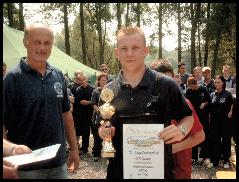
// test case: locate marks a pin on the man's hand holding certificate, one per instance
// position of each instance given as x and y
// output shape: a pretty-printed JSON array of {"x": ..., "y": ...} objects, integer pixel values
[{"x": 36, "y": 156}]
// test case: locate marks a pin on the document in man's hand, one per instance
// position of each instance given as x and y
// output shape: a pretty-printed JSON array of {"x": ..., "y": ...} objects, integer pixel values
[{"x": 34, "y": 157}]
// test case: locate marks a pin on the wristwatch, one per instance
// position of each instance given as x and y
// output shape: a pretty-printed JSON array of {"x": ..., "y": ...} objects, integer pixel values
[{"x": 183, "y": 130}]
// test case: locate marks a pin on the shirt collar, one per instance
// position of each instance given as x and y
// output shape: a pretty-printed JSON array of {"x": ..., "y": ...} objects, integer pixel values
[
  {"x": 27, "y": 68},
  {"x": 144, "y": 83}
]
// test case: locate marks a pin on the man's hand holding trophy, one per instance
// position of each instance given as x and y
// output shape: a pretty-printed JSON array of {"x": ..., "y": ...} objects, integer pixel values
[{"x": 106, "y": 131}]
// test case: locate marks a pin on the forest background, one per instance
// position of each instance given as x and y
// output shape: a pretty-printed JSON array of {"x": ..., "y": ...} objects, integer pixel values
[{"x": 204, "y": 33}]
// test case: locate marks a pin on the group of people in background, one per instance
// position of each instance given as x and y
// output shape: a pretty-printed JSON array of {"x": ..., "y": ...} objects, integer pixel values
[
  {"x": 85, "y": 108},
  {"x": 214, "y": 102}
]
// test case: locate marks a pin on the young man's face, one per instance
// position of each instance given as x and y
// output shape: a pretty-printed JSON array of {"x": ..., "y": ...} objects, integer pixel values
[
  {"x": 226, "y": 71},
  {"x": 198, "y": 73},
  {"x": 182, "y": 69},
  {"x": 206, "y": 74},
  {"x": 131, "y": 51}
]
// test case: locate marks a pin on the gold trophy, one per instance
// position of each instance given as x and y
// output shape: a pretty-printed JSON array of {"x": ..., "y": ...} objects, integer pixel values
[{"x": 107, "y": 111}]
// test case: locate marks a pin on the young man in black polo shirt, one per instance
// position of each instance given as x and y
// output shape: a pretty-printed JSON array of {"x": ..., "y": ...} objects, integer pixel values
[
  {"x": 134, "y": 88},
  {"x": 36, "y": 106}
]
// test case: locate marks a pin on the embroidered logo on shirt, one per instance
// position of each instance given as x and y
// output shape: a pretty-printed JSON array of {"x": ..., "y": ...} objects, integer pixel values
[
  {"x": 222, "y": 100},
  {"x": 58, "y": 89}
]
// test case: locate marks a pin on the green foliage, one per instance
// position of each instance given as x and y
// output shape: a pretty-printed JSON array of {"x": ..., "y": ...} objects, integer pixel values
[{"x": 223, "y": 18}]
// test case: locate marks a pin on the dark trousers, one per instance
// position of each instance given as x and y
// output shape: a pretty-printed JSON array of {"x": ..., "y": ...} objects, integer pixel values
[
  {"x": 97, "y": 146},
  {"x": 220, "y": 145},
  {"x": 85, "y": 137}
]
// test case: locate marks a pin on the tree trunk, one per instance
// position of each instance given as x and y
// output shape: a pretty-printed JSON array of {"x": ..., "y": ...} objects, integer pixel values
[
  {"x": 83, "y": 39},
  {"x": 118, "y": 15},
  {"x": 160, "y": 54},
  {"x": 67, "y": 36},
  {"x": 179, "y": 34},
  {"x": 193, "y": 31},
  {"x": 199, "y": 47},
  {"x": 194, "y": 20},
  {"x": 127, "y": 15},
  {"x": 99, "y": 30},
  {"x": 218, "y": 37},
  {"x": 10, "y": 11},
  {"x": 207, "y": 36},
  {"x": 21, "y": 17},
  {"x": 138, "y": 14}
]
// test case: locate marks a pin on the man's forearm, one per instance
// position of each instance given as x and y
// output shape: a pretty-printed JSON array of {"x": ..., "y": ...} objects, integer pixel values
[
  {"x": 187, "y": 123},
  {"x": 70, "y": 130},
  {"x": 189, "y": 142}
]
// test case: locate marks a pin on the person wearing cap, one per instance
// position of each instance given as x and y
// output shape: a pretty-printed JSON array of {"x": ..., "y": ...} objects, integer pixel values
[{"x": 208, "y": 81}]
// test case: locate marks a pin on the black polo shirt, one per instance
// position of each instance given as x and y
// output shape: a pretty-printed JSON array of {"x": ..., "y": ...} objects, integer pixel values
[
  {"x": 33, "y": 107},
  {"x": 85, "y": 111},
  {"x": 134, "y": 102},
  {"x": 219, "y": 109},
  {"x": 128, "y": 100},
  {"x": 197, "y": 97}
]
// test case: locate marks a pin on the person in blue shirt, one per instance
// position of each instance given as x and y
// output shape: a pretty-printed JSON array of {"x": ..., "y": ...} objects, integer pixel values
[{"x": 36, "y": 107}]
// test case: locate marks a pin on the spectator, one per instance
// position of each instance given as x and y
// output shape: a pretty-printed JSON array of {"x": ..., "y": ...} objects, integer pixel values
[
  {"x": 221, "y": 110},
  {"x": 197, "y": 73},
  {"x": 182, "y": 72},
  {"x": 96, "y": 150},
  {"x": 208, "y": 81},
  {"x": 183, "y": 87},
  {"x": 133, "y": 88},
  {"x": 198, "y": 95},
  {"x": 36, "y": 107},
  {"x": 83, "y": 101},
  {"x": 104, "y": 68},
  {"x": 227, "y": 76},
  {"x": 73, "y": 86}
]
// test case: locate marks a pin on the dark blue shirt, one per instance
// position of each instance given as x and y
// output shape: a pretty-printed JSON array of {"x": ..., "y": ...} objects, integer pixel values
[{"x": 33, "y": 107}]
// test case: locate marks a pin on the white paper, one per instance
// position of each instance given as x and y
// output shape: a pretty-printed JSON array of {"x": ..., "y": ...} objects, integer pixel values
[
  {"x": 143, "y": 151},
  {"x": 36, "y": 155}
]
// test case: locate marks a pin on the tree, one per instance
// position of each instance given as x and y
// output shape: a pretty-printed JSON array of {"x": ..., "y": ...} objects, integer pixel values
[
  {"x": 194, "y": 20},
  {"x": 179, "y": 33},
  {"x": 207, "y": 36},
  {"x": 62, "y": 17},
  {"x": 66, "y": 26},
  {"x": 82, "y": 23},
  {"x": 10, "y": 13},
  {"x": 138, "y": 14},
  {"x": 118, "y": 14},
  {"x": 127, "y": 15},
  {"x": 21, "y": 17},
  {"x": 160, "y": 33}
]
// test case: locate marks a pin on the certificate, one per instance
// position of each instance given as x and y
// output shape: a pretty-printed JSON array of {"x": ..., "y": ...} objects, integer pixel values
[
  {"x": 34, "y": 157},
  {"x": 143, "y": 151}
]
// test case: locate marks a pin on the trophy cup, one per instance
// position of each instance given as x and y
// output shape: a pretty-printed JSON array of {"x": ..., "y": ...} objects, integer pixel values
[{"x": 107, "y": 111}]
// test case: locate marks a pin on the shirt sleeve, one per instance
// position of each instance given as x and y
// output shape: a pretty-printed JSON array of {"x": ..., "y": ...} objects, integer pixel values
[
  {"x": 9, "y": 97},
  {"x": 93, "y": 98},
  {"x": 197, "y": 126},
  {"x": 172, "y": 101}
]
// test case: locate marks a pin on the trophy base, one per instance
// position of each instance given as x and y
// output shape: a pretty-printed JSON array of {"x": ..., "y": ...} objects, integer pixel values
[{"x": 108, "y": 154}]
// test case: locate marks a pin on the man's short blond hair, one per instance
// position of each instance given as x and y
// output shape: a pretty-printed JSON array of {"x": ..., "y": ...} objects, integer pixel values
[
  {"x": 130, "y": 31},
  {"x": 226, "y": 66}
]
